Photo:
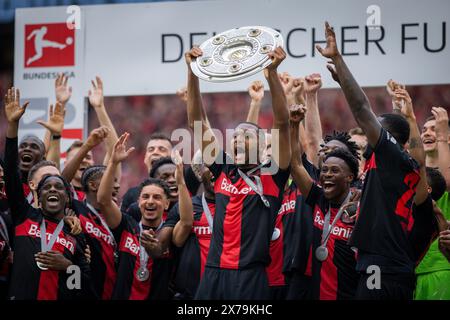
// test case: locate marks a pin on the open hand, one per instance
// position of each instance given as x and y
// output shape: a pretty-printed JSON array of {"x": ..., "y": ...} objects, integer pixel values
[
  {"x": 120, "y": 151},
  {"x": 63, "y": 92},
  {"x": 13, "y": 110},
  {"x": 95, "y": 94},
  {"x": 55, "y": 123},
  {"x": 331, "y": 51}
]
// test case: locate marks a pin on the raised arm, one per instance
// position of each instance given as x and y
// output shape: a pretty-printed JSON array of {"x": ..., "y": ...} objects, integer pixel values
[
  {"x": 442, "y": 134},
  {"x": 298, "y": 172},
  {"x": 256, "y": 92},
  {"x": 97, "y": 101},
  {"x": 279, "y": 107},
  {"x": 54, "y": 126},
  {"x": 111, "y": 210},
  {"x": 95, "y": 138},
  {"x": 195, "y": 108},
  {"x": 357, "y": 100},
  {"x": 183, "y": 227},
  {"x": 13, "y": 184},
  {"x": 63, "y": 92},
  {"x": 402, "y": 102},
  {"x": 313, "y": 126}
]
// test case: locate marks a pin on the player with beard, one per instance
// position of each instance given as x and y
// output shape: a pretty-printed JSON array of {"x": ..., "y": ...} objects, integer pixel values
[
  {"x": 247, "y": 201},
  {"x": 40, "y": 264},
  {"x": 332, "y": 262},
  {"x": 162, "y": 169},
  {"x": 159, "y": 146},
  {"x": 139, "y": 276},
  {"x": 380, "y": 233}
]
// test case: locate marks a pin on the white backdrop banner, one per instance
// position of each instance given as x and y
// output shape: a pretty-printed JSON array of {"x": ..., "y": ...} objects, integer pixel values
[{"x": 138, "y": 48}]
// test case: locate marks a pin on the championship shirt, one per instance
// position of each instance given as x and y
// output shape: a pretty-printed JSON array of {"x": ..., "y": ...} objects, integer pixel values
[
  {"x": 336, "y": 277},
  {"x": 383, "y": 224},
  {"x": 243, "y": 225},
  {"x": 128, "y": 287},
  {"x": 193, "y": 254},
  {"x": 102, "y": 245},
  {"x": 28, "y": 282}
]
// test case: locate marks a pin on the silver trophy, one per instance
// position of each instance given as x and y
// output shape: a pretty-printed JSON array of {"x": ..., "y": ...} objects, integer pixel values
[{"x": 236, "y": 54}]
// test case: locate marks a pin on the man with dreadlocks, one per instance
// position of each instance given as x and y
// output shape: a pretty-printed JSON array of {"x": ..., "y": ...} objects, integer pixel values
[
  {"x": 332, "y": 262},
  {"x": 41, "y": 262}
]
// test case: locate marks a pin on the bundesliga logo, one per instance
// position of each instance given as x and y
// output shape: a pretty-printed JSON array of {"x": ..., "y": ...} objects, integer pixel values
[{"x": 49, "y": 45}]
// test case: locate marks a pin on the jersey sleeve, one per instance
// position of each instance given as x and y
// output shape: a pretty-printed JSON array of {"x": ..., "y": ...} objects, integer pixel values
[
  {"x": 310, "y": 168},
  {"x": 391, "y": 157},
  {"x": 173, "y": 217},
  {"x": 13, "y": 185},
  {"x": 192, "y": 182},
  {"x": 315, "y": 195}
]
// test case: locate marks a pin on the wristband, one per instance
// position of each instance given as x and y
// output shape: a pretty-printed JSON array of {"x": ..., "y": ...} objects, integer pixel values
[{"x": 56, "y": 136}]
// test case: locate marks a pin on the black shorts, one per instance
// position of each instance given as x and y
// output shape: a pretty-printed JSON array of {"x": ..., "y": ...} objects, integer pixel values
[
  {"x": 299, "y": 286},
  {"x": 392, "y": 287},
  {"x": 278, "y": 292},
  {"x": 226, "y": 284}
]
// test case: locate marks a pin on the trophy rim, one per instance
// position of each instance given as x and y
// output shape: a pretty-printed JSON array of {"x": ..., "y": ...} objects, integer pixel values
[{"x": 278, "y": 42}]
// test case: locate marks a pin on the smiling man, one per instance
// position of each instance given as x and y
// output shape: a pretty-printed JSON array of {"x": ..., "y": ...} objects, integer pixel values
[{"x": 40, "y": 263}]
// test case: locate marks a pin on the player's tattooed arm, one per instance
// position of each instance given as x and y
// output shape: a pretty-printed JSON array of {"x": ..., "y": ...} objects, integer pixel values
[
  {"x": 256, "y": 93},
  {"x": 111, "y": 210},
  {"x": 357, "y": 100},
  {"x": 403, "y": 100},
  {"x": 298, "y": 171}
]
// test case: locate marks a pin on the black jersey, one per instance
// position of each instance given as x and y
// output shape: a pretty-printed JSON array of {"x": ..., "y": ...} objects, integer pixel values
[
  {"x": 193, "y": 254},
  {"x": 383, "y": 224}
]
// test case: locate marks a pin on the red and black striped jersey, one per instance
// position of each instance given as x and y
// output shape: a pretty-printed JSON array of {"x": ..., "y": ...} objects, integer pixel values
[
  {"x": 383, "y": 223},
  {"x": 336, "y": 277},
  {"x": 128, "y": 287},
  {"x": 192, "y": 256},
  {"x": 28, "y": 282},
  {"x": 101, "y": 244},
  {"x": 243, "y": 225}
]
